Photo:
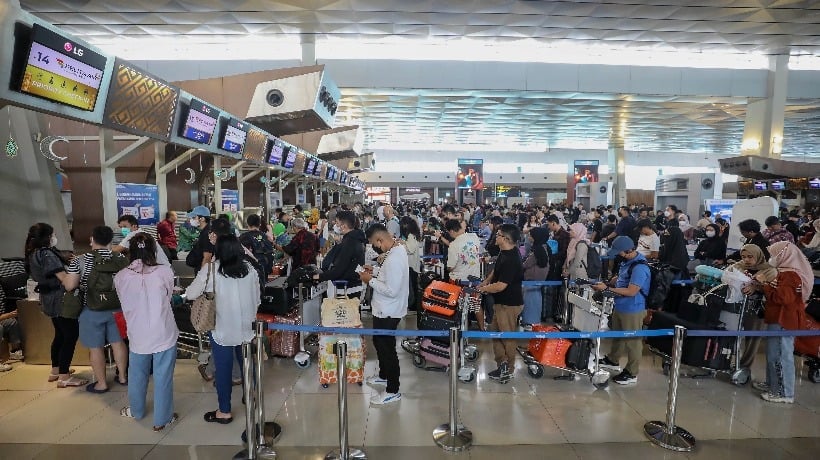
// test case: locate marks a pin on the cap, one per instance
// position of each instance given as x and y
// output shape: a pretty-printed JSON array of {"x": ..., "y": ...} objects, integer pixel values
[
  {"x": 620, "y": 244},
  {"x": 201, "y": 211}
]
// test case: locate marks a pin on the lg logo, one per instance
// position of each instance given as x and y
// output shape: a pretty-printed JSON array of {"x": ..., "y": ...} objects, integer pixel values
[{"x": 73, "y": 49}]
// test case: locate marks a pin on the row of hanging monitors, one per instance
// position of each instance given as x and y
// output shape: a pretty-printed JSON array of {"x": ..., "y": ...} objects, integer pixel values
[{"x": 58, "y": 69}]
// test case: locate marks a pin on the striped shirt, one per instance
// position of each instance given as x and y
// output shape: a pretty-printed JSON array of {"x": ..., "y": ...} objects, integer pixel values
[{"x": 83, "y": 264}]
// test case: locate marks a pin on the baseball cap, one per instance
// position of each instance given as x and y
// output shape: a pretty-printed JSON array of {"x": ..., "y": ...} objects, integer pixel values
[
  {"x": 201, "y": 211},
  {"x": 620, "y": 244}
]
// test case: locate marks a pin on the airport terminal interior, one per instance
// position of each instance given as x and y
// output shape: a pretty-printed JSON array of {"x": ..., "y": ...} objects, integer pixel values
[{"x": 697, "y": 118}]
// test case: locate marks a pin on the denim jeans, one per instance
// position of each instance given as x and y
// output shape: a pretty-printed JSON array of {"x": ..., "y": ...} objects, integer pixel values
[
  {"x": 780, "y": 363},
  {"x": 139, "y": 367},
  {"x": 533, "y": 305},
  {"x": 224, "y": 358}
]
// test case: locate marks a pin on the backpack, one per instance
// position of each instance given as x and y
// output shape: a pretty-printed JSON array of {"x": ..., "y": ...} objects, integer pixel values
[
  {"x": 593, "y": 264},
  {"x": 262, "y": 249},
  {"x": 100, "y": 293},
  {"x": 660, "y": 282}
]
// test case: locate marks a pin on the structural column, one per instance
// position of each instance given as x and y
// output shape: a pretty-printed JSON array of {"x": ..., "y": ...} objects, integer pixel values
[
  {"x": 161, "y": 178},
  {"x": 217, "y": 185},
  {"x": 108, "y": 176},
  {"x": 617, "y": 171},
  {"x": 763, "y": 130}
]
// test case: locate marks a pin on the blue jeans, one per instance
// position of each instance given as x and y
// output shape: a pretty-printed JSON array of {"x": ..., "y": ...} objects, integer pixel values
[
  {"x": 532, "y": 305},
  {"x": 780, "y": 363},
  {"x": 223, "y": 360},
  {"x": 139, "y": 367}
]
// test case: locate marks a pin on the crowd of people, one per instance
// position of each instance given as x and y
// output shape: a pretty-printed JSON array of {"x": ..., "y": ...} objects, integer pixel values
[{"x": 89, "y": 297}]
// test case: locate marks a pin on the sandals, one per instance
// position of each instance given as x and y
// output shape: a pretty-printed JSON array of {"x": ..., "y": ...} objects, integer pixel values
[
  {"x": 55, "y": 377},
  {"x": 91, "y": 389},
  {"x": 211, "y": 417},
  {"x": 174, "y": 418},
  {"x": 71, "y": 382},
  {"x": 126, "y": 412}
]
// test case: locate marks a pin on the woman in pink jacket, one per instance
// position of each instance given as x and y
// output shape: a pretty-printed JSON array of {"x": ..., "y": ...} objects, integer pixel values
[{"x": 145, "y": 289}]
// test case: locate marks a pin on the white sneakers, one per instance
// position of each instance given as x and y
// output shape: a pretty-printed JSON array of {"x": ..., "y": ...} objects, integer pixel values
[
  {"x": 381, "y": 398},
  {"x": 776, "y": 398},
  {"x": 5, "y": 367},
  {"x": 375, "y": 380},
  {"x": 16, "y": 355}
]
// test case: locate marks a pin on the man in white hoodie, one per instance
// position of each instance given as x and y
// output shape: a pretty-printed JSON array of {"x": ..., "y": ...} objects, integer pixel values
[{"x": 390, "y": 291}]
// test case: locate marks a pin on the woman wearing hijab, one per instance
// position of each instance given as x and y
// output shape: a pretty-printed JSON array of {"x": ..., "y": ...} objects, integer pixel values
[
  {"x": 536, "y": 268},
  {"x": 673, "y": 250},
  {"x": 786, "y": 297},
  {"x": 752, "y": 262},
  {"x": 814, "y": 244},
  {"x": 575, "y": 266},
  {"x": 712, "y": 250}
]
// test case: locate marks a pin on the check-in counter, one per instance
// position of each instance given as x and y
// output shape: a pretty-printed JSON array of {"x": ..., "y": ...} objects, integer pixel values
[{"x": 38, "y": 332}]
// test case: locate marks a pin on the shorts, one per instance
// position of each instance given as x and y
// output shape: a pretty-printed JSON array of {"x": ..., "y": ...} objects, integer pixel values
[{"x": 98, "y": 328}]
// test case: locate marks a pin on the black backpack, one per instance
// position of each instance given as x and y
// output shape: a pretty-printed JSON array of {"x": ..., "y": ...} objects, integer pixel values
[
  {"x": 261, "y": 248},
  {"x": 593, "y": 264},
  {"x": 661, "y": 276}
]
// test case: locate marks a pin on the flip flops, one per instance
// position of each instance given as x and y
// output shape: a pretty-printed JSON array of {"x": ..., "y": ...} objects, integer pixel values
[
  {"x": 211, "y": 417},
  {"x": 174, "y": 418},
  {"x": 71, "y": 382},
  {"x": 90, "y": 388}
]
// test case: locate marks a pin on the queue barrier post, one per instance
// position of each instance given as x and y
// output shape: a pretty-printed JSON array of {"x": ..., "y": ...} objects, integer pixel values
[
  {"x": 344, "y": 452},
  {"x": 667, "y": 435},
  {"x": 451, "y": 436},
  {"x": 247, "y": 374},
  {"x": 267, "y": 432}
]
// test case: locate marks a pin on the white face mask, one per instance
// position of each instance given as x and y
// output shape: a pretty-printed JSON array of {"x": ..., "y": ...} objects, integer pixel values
[
  {"x": 53, "y": 241},
  {"x": 194, "y": 222},
  {"x": 710, "y": 234},
  {"x": 337, "y": 229},
  {"x": 667, "y": 213}
]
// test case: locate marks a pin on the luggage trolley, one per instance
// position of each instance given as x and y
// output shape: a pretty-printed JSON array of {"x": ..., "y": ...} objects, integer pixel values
[
  {"x": 310, "y": 309},
  {"x": 711, "y": 354},
  {"x": 469, "y": 301},
  {"x": 590, "y": 313}
]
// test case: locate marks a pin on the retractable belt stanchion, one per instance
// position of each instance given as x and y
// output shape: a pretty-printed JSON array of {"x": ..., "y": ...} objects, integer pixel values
[
  {"x": 247, "y": 372},
  {"x": 451, "y": 436},
  {"x": 344, "y": 452},
  {"x": 667, "y": 435},
  {"x": 267, "y": 431}
]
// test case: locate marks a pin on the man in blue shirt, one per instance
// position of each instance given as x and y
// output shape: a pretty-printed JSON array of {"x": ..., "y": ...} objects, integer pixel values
[
  {"x": 625, "y": 227},
  {"x": 631, "y": 288}
]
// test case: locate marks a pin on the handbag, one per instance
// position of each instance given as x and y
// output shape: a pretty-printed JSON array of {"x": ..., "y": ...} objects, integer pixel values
[
  {"x": 203, "y": 310},
  {"x": 72, "y": 304}
]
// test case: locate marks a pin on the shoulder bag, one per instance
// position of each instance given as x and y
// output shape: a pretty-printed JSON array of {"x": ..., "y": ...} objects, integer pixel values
[{"x": 203, "y": 310}]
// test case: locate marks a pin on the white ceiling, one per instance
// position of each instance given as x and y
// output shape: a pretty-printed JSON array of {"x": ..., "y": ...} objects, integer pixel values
[{"x": 651, "y": 123}]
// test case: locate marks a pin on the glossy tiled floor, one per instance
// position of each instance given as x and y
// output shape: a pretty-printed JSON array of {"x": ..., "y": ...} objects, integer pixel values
[{"x": 526, "y": 418}]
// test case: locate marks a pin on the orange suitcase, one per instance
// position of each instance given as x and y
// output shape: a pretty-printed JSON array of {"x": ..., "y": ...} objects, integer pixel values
[
  {"x": 549, "y": 352},
  {"x": 441, "y": 298},
  {"x": 809, "y": 345}
]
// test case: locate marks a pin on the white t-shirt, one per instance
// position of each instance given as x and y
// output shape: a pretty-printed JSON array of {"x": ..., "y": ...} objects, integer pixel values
[
  {"x": 648, "y": 244},
  {"x": 161, "y": 258},
  {"x": 464, "y": 257}
]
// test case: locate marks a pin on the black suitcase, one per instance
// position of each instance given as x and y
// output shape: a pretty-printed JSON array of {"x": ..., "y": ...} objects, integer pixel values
[
  {"x": 707, "y": 314},
  {"x": 709, "y": 352},
  {"x": 277, "y": 299},
  {"x": 428, "y": 321},
  {"x": 577, "y": 357}
]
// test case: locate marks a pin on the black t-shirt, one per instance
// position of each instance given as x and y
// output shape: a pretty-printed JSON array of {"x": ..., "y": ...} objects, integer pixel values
[
  {"x": 597, "y": 227},
  {"x": 509, "y": 269}
]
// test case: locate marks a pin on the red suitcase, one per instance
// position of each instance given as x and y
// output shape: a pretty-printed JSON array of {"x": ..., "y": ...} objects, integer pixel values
[{"x": 282, "y": 343}]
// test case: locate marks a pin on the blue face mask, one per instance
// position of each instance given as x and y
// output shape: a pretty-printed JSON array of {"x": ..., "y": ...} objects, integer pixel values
[{"x": 125, "y": 231}]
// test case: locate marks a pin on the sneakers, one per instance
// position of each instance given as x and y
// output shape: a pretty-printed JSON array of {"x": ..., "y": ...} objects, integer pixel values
[
  {"x": 761, "y": 386},
  {"x": 374, "y": 380},
  {"x": 625, "y": 378},
  {"x": 382, "y": 398},
  {"x": 16, "y": 355},
  {"x": 5, "y": 367},
  {"x": 776, "y": 398},
  {"x": 605, "y": 362},
  {"x": 502, "y": 374}
]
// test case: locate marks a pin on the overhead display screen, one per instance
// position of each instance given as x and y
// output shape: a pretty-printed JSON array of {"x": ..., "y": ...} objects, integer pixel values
[
  {"x": 777, "y": 185},
  {"x": 299, "y": 163},
  {"x": 236, "y": 133},
  {"x": 201, "y": 122},
  {"x": 343, "y": 178},
  {"x": 139, "y": 103},
  {"x": 800, "y": 183},
  {"x": 761, "y": 186},
  {"x": 321, "y": 169},
  {"x": 257, "y": 146},
  {"x": 814, "y": 183},
  {"x": 290, "y": 158},
  {"x": 59, "y": 70},
  {"x": 470, "y": 174},
  {"x": 277, "y": 150},
  {"x": 311, "y": 166}
]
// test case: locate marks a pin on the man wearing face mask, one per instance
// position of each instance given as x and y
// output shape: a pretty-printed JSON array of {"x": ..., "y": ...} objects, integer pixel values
[
  {"x": 130, "y": 227},
  {"x": 390, "y": 294},
  {"x": 348, "y": 256},
  {"x": 201, "y": 253}
]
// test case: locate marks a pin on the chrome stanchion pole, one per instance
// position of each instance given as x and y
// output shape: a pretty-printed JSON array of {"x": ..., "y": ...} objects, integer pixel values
[
  {"x": 344, "y": 452},
  {"x": 451, "y": 436},
  {"x": 267, "y": 431},
  {"x": 247, "y": 373},
  {"x": 667, "y": 435}
]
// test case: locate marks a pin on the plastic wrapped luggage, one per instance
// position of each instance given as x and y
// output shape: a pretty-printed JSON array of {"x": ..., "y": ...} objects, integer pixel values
[
  {"x": 282, "y": 343},
  {"x": 549, "y": 352},
  {"x": 341, "y": 312},
  {"x": 441, "y": 298}
]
